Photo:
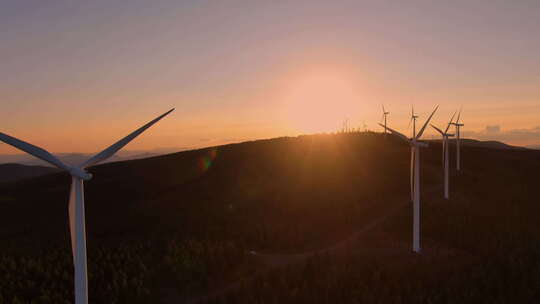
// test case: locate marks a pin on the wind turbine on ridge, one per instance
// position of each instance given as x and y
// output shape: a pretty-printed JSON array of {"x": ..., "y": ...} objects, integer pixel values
[
  {"x": 445, "y": 135},
  {"x": 384, "y": 117},
  {"x": 458, "y": 141},
  {"x": 76, "y": 197},
  {"x": 413, "y": 120},
  {"x": 415, "y": 176}
]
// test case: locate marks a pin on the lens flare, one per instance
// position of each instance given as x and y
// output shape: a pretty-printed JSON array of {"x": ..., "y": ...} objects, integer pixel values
[{"x": 206, "y": 161}]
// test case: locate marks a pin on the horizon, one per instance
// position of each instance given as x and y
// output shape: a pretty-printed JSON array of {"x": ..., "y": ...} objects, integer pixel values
[
  {"x": 127, "y": 154},
  {"x": 79, "y": 77}
]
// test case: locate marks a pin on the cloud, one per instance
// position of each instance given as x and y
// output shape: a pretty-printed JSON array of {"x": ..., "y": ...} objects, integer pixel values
[
  {"x": 493, "y": 129},
  {"x": 514, "y": 136}
]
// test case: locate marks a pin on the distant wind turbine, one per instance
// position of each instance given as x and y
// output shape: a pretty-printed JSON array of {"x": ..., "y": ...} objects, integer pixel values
[
  {"x": 413, "y": 120},
  {"x": 415, "y": 177},
  {"x": 384, "y": 118},
  {"x": 458, "y": 140},
  {"x": 445, "y": 135},
  {"x": 76, "y": 198}
]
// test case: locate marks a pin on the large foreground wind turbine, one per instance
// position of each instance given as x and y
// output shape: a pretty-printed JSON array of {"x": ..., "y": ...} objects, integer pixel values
[
  {"x": 384, "y": 114},
  {"x": 458, "y": 140},
  {"x": 76, "y": 198},
  {"x": 445, "y": 135},
  {"x": 415, "y": 177}
]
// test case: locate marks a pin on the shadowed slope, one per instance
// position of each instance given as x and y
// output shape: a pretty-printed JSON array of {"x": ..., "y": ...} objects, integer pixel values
[{"x": 15, "y": 172}]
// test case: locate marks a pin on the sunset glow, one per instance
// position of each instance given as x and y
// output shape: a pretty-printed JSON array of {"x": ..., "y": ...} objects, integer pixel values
[
  {"x": 260, "y": 70},
  {"x": 319, "y": 102}
]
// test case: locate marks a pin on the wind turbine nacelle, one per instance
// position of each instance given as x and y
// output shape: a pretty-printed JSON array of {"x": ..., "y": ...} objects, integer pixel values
[{"x": 80, "y": 173}]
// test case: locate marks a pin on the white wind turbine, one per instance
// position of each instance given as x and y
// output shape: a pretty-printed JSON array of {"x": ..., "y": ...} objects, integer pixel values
[
  {"x": 413, "y": 120},
  {"x": 458, "y": 140},
  {"x": 76, "y": 198},
  {"x": 384, "y": 117},
  {"x": 445, "y": 135},
  {"x": 415, "y": 177}
]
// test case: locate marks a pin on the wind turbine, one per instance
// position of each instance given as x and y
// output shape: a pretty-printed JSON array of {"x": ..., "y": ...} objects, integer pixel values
[
  {"x": 458, "y": 140},
  {"x": 445, "y": 136},
  {"x": 415, "y": 177},
  {"x": 384, "y": 117},
  {"x": 76, "y": 197},
  {"x": 413, "y": 120}
]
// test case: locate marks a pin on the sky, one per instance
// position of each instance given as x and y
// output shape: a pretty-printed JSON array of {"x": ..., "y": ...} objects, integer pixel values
[{"x": 78, "y": 75}]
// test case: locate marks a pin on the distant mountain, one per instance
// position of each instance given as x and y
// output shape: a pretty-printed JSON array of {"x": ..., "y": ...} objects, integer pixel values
[
  {"x": 490, "y": 144},
  {"x": 77, "y": 158},
  {"x": 536, "y": 147},
  {"x": 14, "y": 172}
]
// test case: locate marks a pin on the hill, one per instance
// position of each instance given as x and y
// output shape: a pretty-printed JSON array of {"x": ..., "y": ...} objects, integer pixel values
[
  {"x": 237, "y": 221},
  {"x": 14, "y": 172},
  {"x": 491, "y": 144}
]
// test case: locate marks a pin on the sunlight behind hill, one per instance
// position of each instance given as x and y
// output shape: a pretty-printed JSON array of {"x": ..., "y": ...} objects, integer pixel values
[{"x": 319, "y": 101}]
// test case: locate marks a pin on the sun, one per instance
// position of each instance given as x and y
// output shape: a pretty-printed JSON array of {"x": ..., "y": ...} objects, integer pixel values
[{"x": 319, "y": 102}]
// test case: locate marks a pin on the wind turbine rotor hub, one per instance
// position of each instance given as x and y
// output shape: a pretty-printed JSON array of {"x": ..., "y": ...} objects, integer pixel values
[{"x": 80, "y": 173}]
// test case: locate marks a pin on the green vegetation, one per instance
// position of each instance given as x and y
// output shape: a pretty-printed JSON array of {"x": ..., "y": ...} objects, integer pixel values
[{"x": 117, "y": 273}]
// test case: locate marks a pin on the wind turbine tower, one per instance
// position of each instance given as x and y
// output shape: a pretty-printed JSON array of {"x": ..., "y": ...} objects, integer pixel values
[
  {"x": 445, "y": 135},
  {"x": 384, "y": 118},
  {"x": 413, "y": 120},
  {"x": 76, "y": 197},
  {"x": 458, "y": 141},
  {"x": 415, "y": 144}
]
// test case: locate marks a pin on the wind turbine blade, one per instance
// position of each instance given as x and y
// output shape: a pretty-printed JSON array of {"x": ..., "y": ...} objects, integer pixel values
[
  {"x": 33, "y": 150},
  {"x": 409, "y": 125},
  {"x": 438, "y": 130},
  {"x": 103, "y": 155},
  {"x": 450, "y": 123},
  {"x": 426, "y": 123},
  {"x": 383, "y": 110},
  {"x": 458, "y": 116},
  {"x": 396, "y": 133}
]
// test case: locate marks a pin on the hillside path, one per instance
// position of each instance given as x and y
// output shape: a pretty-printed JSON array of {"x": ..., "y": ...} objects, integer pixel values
[{"x": 273, "y": 261}]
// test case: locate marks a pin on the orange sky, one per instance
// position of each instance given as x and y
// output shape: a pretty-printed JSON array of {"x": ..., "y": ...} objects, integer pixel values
[{"x": 78, "y": 77}]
